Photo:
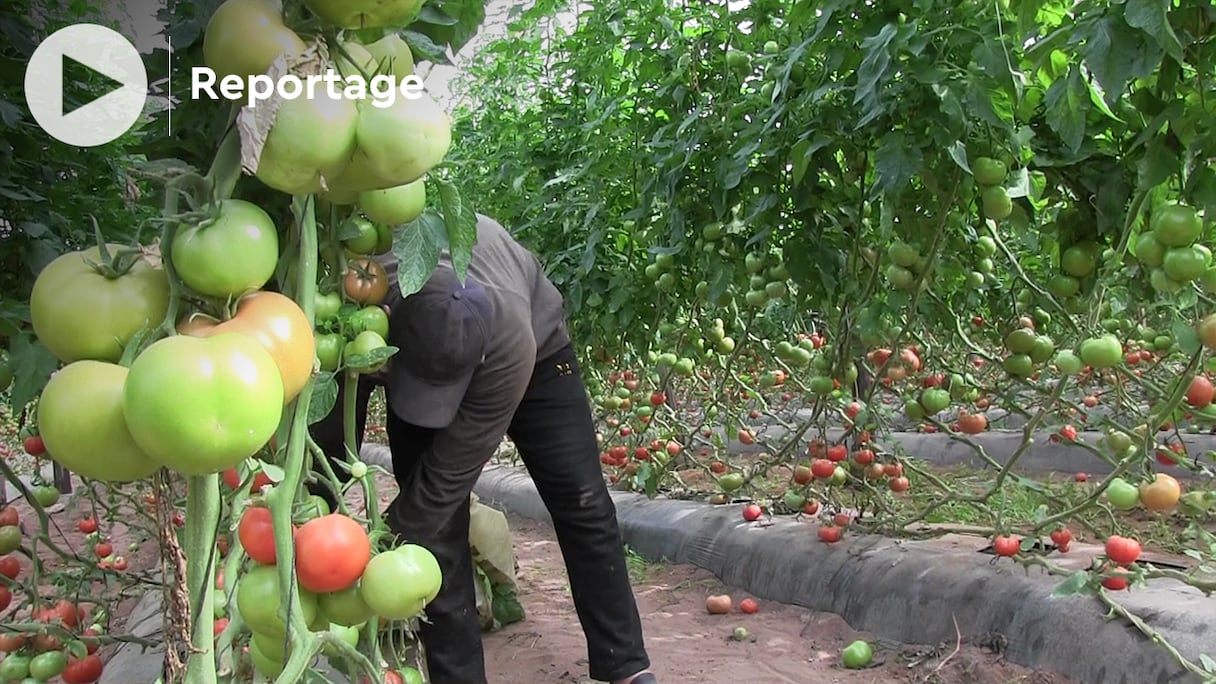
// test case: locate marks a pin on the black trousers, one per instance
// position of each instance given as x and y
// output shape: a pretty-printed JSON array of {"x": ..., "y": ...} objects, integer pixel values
[{"x": 555, "y": 436}]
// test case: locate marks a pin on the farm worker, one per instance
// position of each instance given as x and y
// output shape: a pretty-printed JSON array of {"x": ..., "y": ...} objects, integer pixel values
[{"x": 477, "y": 361}]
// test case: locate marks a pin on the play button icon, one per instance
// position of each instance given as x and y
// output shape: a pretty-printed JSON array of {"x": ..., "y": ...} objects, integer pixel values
[{"x": 98, "y": 116}]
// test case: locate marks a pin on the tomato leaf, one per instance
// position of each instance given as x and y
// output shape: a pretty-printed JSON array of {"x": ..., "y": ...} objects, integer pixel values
[
  {"x": 1067, "y": 103},
  {"x": 274, "y": 472},
  {"x": 1077, "y": 583},
  {"x": 460, "y": 222},
  {"x": 32, "y": 366},
  {"x": 417, "y": 246},
  {"x": 1152, "y": 17},
  {"x": 324, "y": 396},
  {"x": 1186, "y": 337},
  {"x": 958, "y": 153}
]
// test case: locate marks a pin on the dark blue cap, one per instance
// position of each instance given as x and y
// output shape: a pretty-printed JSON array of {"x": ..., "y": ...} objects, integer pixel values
[{"x": 443, "y": 332}]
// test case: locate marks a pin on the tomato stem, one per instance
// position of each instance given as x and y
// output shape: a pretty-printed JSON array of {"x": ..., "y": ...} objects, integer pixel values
[
  {"x": 304, "y": 644},
  {"x": 202, "y": 524}
]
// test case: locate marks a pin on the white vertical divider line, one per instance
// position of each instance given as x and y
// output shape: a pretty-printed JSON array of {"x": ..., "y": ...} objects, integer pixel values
[{"x": 169, "y": 86}]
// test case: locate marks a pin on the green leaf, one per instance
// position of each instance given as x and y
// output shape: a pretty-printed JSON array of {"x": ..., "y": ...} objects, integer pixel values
[
  {"x": 32, "y": 366},
  {"x": 1107, "y": 54},
  {"x": 1157, "y": 165},
  {"x": 1186, "y": 337},
  {"x": 417, "y": 246},
  {"x": 1152, "y": 17},
  {"x": 323, "y": 398},
  {"x": 373, "y": 358},
  {"x": 274, "y": 472},
  {"x": 1077, "y": 583},
  {"x": 1067, "y": 102},
  {"x": 896, "y": 161},
  {"x": 461, "y": 225}
]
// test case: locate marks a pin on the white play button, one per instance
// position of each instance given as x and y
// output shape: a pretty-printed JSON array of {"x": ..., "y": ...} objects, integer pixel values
[{"x": 105, "y": 117}]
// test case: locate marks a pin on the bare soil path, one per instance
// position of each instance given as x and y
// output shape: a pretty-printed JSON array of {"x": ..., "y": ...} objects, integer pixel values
[{"x": 786, "y": 644}]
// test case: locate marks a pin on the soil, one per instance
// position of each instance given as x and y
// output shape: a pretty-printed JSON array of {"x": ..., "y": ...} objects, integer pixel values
[{"x": 786, "y": 644}]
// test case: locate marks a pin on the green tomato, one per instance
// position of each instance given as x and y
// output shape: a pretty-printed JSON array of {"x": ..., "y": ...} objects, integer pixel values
[
  {"x": 1044, "y": 347},
  {"x": 996, "y": 203},
  {"x": 364, "y": 343},
  {"x": 329, "y": 350},
  {"x": 203, "y": 405},
  {"x": 257, "y": 601},
  {"x": 10, "y": 539},
  {"x": 398, "y": 144},
  {"x": 935, "y": 400},
  {"x": 985, "y": 246},
  {"x": 410, "y": 676},
  {"x": 1188, "y": 263},
  {"x": 14, "y": 667},
  {"x": 1176, "y": 225},
  {"x": 1069, "y": 363},
  {"x": 398, "y": 584},
  {"x": 857, "y": 655},
  {"x": 78, "y": 313},
  {"x": 244, "y": 38},
  {"x": 371, "y": 318},
  {"x": 46, "y": 495},
  {"x": 326, "y": 306},
  {"x": 989, "y": 171},
  {"x": 345, "y": 607},
  {"x": 393, "y": 56},
  {"x": 839, "y": 476},
  {"x": 312, "y": 139},
  {"x": 364, "y": 235},
  {"x": 312, "y": 507},
  {"x": 1079, "y": 261},
  {"x": 45, "y": 666},
  {"x": 230, "y": 255},
  {"x": 395, "y": 206},
  {"x": 80, "y": 415},
  {"x": 730, "y": 482},
  {"x": 366, "y": 14},
  {"x": 1149, "y": 251},
  {"x": 266, "y": 664},
  {"x": 1104, "y": 351},
  {"x": 1122, "y": 494},
  {"x": 1019, "y": 365}
]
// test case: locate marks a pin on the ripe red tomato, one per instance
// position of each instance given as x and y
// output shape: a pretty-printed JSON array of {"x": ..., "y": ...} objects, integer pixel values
[
  {"x": 899, "y": 484},
  {"x": 84, "y": 670},
  {"x": 1118, "y": 580},
  {"x": 9, "y": 517},
  {"x": 752, "y": 512},
  {"x": 811, "y": 507},
  {"x": 822, "y": 468},
  {"x": 658, "y": 399},
  {"x": 1122, "y": 550},
  {"x": 1061, "y": 537},
  {"x": 6, "y": 597},
  {"x": 87, "y": 525},
  {"x": 1006, "y": 545},
  {"x": 331, "y": 553},
  {"x": 34, "y": 445},
  {"x": 802, "y": 475},
  {"x": 256, "y": 532},
  {"x": 103, "y": 549},
  {"x": 863, "y": 456},
  {"x": 749, "y": 606},
  {"x": 830, "y": 533},
  {"x": 842, "y": 519},
  {"x": 837, "y": 453},
  {"x": 12, "y": 641},
  {"x": 10, "y": 567}
]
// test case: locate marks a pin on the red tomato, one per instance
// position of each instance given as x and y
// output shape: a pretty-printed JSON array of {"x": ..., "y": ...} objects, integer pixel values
[
  {"x": 752, "y": 512},
  {"x": 899, "y": 484},
  {"x": 34, "y": 446},
  {"x": 256, "y": 532},
  {"x": 1118, "y": 580},
  {"x": 822, "y": 468},
  {"x": 1122, "y": 550},
  {"x": 842, "y": 519},
  {"x": 9, "y": 517},
  {"x": 220, "y": 625},
  {"x": 331, "y": 553},
  {"x": 11, "y": 641},
  {"x": 830, "y": 533},
  {"x": 103, "y": 549},
  {"x": 1061, "y": 537},
  {"x": 6, "y": 597},
  {"x": 1005, "y": 545},
  {"x": 87, "y": 525},
  {"x": 811, "y": 507},
  {"x": 10, "y": 567},
  {"x": 83, "y": 671},
  {"x": 749, "y": 606}
]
